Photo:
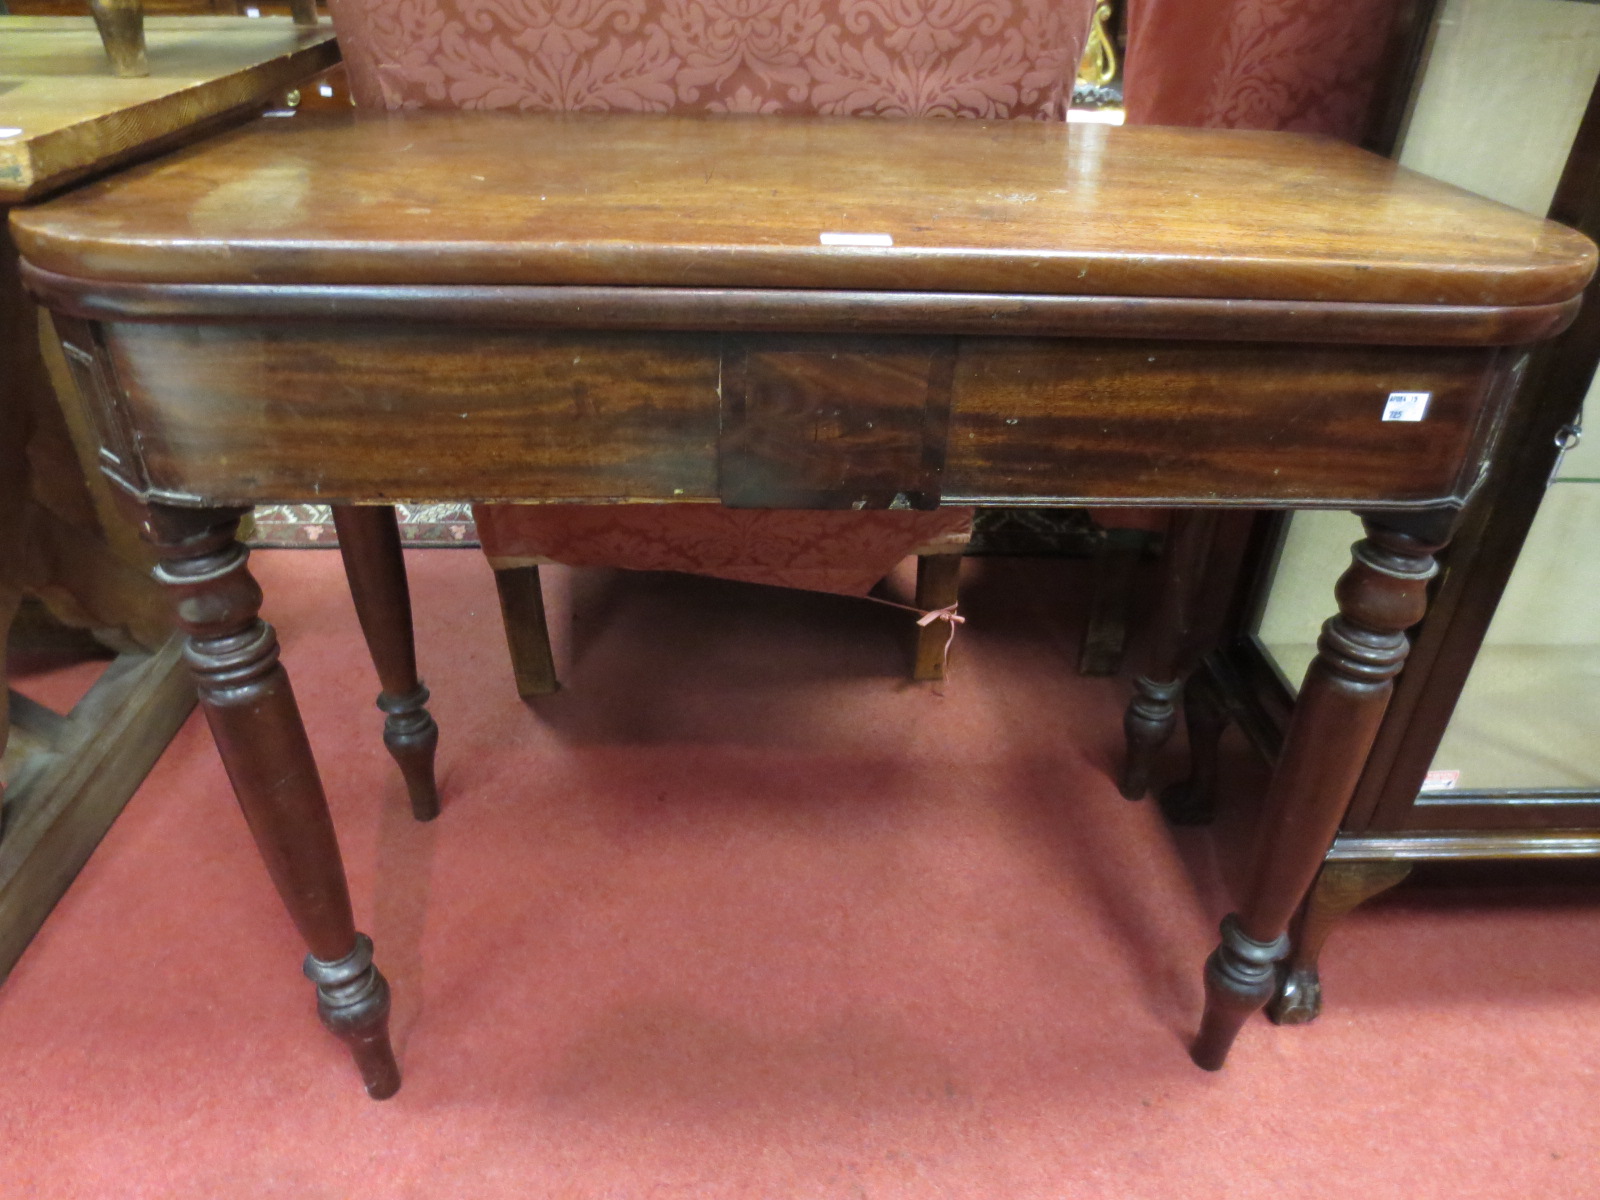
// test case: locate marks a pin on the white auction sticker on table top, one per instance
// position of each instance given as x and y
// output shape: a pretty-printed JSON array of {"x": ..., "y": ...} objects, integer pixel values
[{"x": 855, "y": 239}]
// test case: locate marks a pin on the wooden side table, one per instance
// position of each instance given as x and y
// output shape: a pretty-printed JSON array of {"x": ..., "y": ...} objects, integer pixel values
[
  {"x": 809, "y": 314},
  {"x": 63, "y": 539}
]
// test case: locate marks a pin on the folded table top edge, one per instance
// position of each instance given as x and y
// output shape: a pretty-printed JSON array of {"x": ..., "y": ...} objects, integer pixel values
[{"x": 515, "y": 217}]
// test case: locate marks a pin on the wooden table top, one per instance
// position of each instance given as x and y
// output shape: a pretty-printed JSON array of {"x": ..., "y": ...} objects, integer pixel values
[
  {"x": 63, "y": 114},
  {"x": 754, "y": 202}
]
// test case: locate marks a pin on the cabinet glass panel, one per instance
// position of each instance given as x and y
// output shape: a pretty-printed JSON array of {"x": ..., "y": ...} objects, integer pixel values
[
  {"x": 1499, "y": 100},
  {"x": 1530, "y": 715}
]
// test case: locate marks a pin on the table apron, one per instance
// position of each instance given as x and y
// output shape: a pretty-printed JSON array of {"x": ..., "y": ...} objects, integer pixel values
[{"x": 291, "y": 412}]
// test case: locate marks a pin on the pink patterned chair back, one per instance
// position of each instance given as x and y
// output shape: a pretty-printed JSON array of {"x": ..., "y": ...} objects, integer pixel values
[
  {"x": 1305, "y": 65},
  {"x": 901, "y": 58}
]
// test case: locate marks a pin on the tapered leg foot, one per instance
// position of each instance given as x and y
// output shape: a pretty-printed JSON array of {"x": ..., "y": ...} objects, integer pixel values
[
  {"x": 527, "y": 635},
  {"x": 375, "y": 566},
  {"x": 232, "y": 656},
  {"x": 938, "y": 586},
  {"x": 412, "y": 739},
  {"x": 1298, "y": 1000},
  {"x": 1239, "y": 978},
  {"x": 353, "y": 1002},
  {"x": 1340, "y": 888}
]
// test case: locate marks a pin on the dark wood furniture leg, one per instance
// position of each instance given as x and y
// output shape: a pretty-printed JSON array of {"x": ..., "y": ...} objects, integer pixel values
[
  {"x": 369, "y": 541},
  {"x": 1336, "y": 717},
  {"x": 121, "y": 26},
  {"x": 1193, "y": 801},
  {"x": 527, "y": 634},
  {"x": 1340, "y": 888},
  {"x": 1152, "y": 714},
  {"x": 1105, "y": 632},
  {"x": 938, "y": 586},
  {"x": 233, "y": 657}
]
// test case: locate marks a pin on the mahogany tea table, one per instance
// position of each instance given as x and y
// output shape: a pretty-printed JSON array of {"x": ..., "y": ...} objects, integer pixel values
[{"x": 363, "y": 309}]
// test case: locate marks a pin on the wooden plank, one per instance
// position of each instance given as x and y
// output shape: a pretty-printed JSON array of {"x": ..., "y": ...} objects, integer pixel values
[
  {"x": 66, "y": 114},
  {"x": 35, "y": 725},
  {"x": 62, "y": 802}
]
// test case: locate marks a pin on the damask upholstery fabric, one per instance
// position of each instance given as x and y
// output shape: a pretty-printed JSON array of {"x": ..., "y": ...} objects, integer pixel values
[
  {"x": 904, "y": 58},
  {"x": 1304, "y": 65},
  {"x": 888, "y": 58},
  {"x": 844, "y": 552}
]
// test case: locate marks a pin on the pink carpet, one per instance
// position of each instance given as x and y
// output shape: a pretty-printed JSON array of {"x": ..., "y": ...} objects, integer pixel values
[{"x": 741, "y": 913}]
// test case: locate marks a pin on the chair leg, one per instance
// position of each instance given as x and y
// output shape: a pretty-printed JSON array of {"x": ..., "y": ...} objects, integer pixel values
[
  {"x": 938, "y": 586},
  {"x": 527, "y": 635},
  {"x": 369, "y": 541},
  {"x": 1340, "y": 888}
]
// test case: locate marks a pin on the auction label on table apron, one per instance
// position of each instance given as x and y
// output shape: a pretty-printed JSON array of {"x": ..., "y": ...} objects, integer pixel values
[{"x": 1406, "y": 406}]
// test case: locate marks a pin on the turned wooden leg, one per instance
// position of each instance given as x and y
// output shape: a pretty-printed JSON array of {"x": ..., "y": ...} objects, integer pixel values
[
  {"x": 527, "y": 635},
  {"x": 1193, "y": 801},
  {"x": 121, "y": 26},
  {"x": 1105, "y": 632},
  {"x": 1152, "y": 714},
  {"x": 1151, "y": 717},
  {"x": 369, "y": 540},
  {"x": 938, "y": 586},
  {"x": 1336, "y": 716},
  {"x": 233, "y": 657},
  {"x": 1340, "y": 888}
]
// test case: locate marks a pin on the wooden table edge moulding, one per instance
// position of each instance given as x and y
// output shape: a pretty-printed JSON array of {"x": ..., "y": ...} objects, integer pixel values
[{"x": 807, "y": 314}]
